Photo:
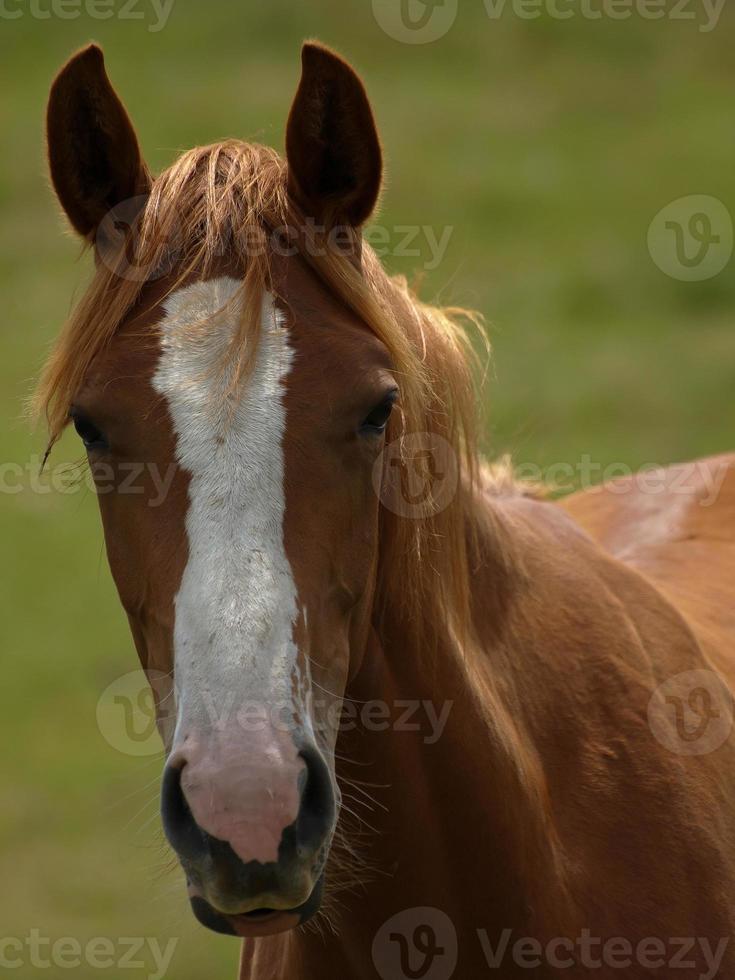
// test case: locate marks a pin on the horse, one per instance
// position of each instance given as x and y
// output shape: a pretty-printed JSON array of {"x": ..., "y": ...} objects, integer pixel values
[{"x": 420, "y": 718}]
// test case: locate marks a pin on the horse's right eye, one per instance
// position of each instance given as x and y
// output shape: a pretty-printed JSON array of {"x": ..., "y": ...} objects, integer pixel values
[{"x": 88, "y": 432}]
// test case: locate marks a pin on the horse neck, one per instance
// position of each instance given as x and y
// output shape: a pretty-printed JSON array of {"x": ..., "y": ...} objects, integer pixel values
[{"x": 462, "y": 787}]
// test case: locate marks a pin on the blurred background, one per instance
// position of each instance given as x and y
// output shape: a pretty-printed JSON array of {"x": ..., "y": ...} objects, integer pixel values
[{"x": 546, "y": 147}]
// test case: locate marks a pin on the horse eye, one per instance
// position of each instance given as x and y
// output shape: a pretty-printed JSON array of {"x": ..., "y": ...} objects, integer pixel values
[
  {"x": 376, "y": 421},
  {"x": 88, "y": 432}
]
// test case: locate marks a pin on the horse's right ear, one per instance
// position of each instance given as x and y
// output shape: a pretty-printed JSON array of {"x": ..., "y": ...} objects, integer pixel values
[{"x": 93, "y": 152}]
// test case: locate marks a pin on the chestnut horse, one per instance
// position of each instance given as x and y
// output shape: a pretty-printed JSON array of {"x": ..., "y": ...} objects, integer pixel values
[{"x": 487, "y": 733}]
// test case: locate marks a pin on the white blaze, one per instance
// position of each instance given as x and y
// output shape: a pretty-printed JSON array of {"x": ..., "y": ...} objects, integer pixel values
[{"x": 237, "y": 602}]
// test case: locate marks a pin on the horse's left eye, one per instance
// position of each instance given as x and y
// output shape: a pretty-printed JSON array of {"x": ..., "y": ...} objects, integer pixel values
[
  {"x": 88, "y": 432},
  {"x": 376, "y": 421}
]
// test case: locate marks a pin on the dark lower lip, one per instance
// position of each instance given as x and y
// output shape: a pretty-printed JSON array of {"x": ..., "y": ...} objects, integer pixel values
[
  {"x": 263, "y": 924},
  {"x": 266, "y": 922}
]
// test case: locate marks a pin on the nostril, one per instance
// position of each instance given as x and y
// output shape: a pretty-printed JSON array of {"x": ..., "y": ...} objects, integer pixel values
[
  {"x": 179, "y": 825},
  {"x": 317, "y": 809}
]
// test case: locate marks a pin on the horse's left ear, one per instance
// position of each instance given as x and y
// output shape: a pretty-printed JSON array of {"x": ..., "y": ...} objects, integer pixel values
[{"x": 334, "y": 158}]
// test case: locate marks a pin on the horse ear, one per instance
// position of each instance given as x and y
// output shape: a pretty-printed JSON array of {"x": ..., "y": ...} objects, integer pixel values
[
  {"x": 93, "y": 152},
  {"x": 332, "y": 145}
]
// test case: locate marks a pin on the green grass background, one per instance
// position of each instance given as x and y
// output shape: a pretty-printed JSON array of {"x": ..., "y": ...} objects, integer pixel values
[{"x": 548, "y": 146}]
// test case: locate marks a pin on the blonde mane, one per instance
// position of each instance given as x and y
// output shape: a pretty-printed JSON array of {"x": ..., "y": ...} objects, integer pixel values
[{"x": 226, "y": 200}]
